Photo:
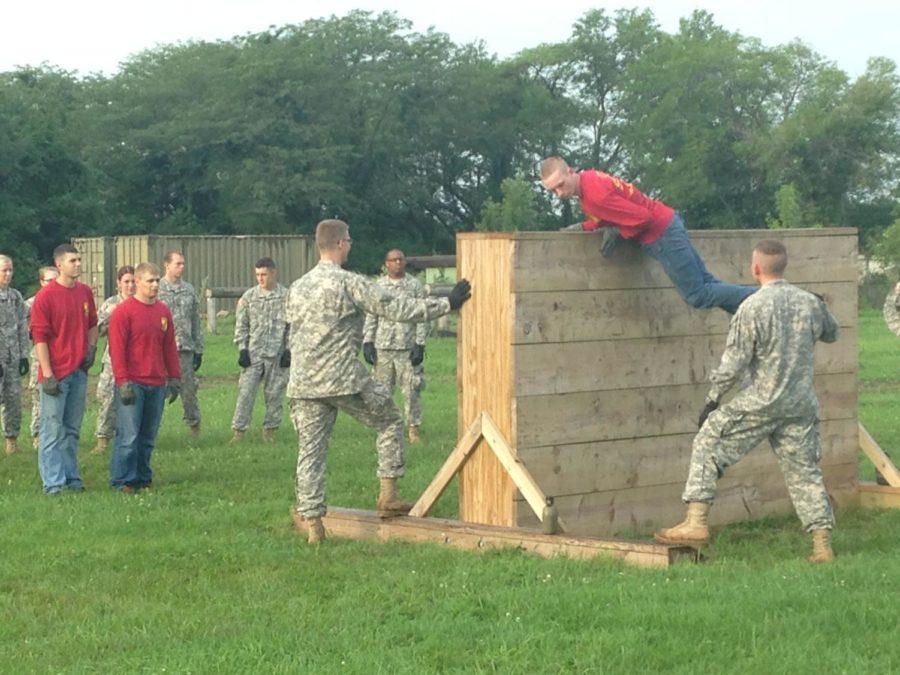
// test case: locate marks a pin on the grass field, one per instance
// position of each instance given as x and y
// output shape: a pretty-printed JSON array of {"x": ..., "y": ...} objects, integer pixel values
[{"x": 205, "y": 573}]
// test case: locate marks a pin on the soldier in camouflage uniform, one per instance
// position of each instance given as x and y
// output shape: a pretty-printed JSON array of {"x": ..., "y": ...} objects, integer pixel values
[
  {"x": 771, "y": 339},
  {"x": 106, "y": 385},
  {"x": 184, "y": 304},
  {"x": 14, "y": 345},
  {"x": 45, "y": 276},
  {"x": 397, "y": 348},
  {"x": 326, "y": 309},
  {"x": 892, "y": 310},
  {"x": 261, "y": 334}
]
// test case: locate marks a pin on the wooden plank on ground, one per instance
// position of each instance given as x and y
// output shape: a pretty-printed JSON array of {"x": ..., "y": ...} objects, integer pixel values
[
  {"x": 454, "y": 463},
  {"x": 878, "y": 457},
  {"x": 359, "y": 524},
  {"x": 879, "y": 496}
]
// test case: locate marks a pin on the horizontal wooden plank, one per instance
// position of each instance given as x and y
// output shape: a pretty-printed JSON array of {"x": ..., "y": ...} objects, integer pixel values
[
  {"x": 879, "y": 496},
  {"x": 642, "y": 510},
  {"x": 576, "y": 316},
  {"x": 560, "y": 419},
  {"x": 572, "y": 261},
  {"x": 753, "y": 234},
  {"x": 358, "y": 524},
  {"x": 622, "y": 464},
  {"x": 562, "y": 368}
]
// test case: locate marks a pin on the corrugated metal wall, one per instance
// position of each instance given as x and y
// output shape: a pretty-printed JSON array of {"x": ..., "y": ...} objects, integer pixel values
[
  {"x": 214, "y": 260},
  {"x": 98, "y": 265}
]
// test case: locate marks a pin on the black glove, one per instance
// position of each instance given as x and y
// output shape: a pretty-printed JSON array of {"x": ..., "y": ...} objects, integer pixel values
[
  {"x": 173, "y": 388},
  {"x": 23, "y": 367},
  {"x": 459, "y": 294},
  {"x": 89, "y": 358},
  {"x": 417, "y": 354},
  {"x": 370, "y": 354},
  {"x": 198, "y": 359},
  {"x": 126, "y": 394},
  {"x": 50, "y": 386},
  {"x": 707, "y": 409},
  {"x": 285, "y": 360},
  {"x": 243, "y": 359}
]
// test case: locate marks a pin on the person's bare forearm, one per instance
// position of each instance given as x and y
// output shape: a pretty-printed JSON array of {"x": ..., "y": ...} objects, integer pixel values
[{"x": 42, "y": 352}]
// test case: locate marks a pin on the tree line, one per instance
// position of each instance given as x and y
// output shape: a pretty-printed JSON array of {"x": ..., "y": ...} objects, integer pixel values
[{"x": 411, "y": 137}]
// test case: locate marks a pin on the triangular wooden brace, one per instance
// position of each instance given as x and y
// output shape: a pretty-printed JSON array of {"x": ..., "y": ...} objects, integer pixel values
[{"x": 879, "y": 458}]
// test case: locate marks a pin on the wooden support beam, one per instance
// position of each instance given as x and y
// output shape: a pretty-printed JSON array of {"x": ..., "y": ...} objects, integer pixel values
[
  {"x": 454, "y": 463},
  {"x": 879, "y": 458},
  {"x": 879, "y": 496},
  {"x": 359, "y": 524}
]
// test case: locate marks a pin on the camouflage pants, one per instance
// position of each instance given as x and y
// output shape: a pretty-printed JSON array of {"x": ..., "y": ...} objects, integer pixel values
[
  {"x": 274, "y": 379},
  {"x": 314, "y": 420},
  {"x": 106, "y": 394},
  {"x": 190, "y": 383},
  {"x": 35, "y": 397},
  {"x": 729, "y": 435},
  {"x": 11, "y": 399},
  {"x": 395, "y": 370}
]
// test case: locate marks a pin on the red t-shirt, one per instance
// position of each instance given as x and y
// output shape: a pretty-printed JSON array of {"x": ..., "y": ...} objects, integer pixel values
[
  {"x": 142, "y": 343},
  {"x": 61, "y": 317},
  {"x": 607, "y": 200}
]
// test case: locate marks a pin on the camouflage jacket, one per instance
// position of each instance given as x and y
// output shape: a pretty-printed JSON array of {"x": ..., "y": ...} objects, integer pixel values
[
  {"x": 185, "y": 307},
  {"x": 388, "y": 334},
  {"x": 103, "y": 315},
  {"x": 14, "y": 340},
  {"x": 326, "y": 308},
  {"x": 772, "y": 339},
  {"x": 892, "y": 310},
  {"x": 259, "y": 324}
]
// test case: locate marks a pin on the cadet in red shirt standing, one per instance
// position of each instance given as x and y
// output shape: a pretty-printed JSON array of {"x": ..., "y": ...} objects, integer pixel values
[
  {"x": 146, "y": 368},
  {"x": 608, "y": 201},
  {"x": 64, "y": 330}
]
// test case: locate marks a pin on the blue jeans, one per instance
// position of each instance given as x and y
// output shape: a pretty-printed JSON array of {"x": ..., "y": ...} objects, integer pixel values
[
  {"x": 136, "y": 429},
  {"x": 685, "y": 268},
  {"x": 59, "y": 433}
]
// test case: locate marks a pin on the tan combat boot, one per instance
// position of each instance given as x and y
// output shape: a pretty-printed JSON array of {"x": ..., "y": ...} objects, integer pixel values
[
  {"x": 268, "y": 435},
  {"x": 195, "y": 430},
  {"x": 102, "y": 444},
  {"x": 389, "y": 503},
  {"x": 821, "y": 551},
  {"x": 12, "y": 447},
  {"x": 237, "y": 436},
  {"x": 692, "y": 531},
  {"x": 315, "y": 531},
  {"x": 414, "y": 434}
]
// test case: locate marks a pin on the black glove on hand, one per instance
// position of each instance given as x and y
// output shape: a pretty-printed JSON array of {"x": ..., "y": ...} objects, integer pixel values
[
  {"x": 50, "y": 386},
  {"x": 417, "y": 354},
  {"x": 173, "y": 388},
  {"x": 198, "y": 359},
  {"x": 285, "y": 360},
  {"x": 370, "y": 354},
  {"x": 707, "y": 409},
  {"x": 23, "y": 367},
  {"x": 89, "y": 358},
  {"x": 126, "y": 394},
  {"x": 460, "y": 293},
  {"x": 243, "y": 359}
]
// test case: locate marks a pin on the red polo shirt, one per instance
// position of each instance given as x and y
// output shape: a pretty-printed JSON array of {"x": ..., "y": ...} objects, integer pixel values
[
  {"x": 607, "y": 200},
  {"x": 61, "y": 317},
  {"x": 142, "y": 343}
]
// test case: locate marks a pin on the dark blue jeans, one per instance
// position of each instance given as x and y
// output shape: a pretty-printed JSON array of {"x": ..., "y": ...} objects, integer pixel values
[
  {"x": 136, "y": 429},
  {"x": 685, "y": 268},
  {"x": 60, "y": 430}
]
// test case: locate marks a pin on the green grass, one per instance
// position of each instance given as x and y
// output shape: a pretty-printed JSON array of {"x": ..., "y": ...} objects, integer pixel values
[{"x": 205, "y": 574}]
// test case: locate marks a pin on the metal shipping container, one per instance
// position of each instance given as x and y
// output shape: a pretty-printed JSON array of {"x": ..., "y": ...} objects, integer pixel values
[{"x": 98, "y": 265}]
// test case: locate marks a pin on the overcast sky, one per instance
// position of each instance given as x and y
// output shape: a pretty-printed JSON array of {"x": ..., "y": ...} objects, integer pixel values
[{"x": 96, "y": 35}]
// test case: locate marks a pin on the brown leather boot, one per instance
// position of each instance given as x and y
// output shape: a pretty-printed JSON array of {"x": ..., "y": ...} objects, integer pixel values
[
  {"x": 237, "y": 436},
  {"x": 315, "y": 531},
  {"x": 102, "y": 445},
  {"x": 268, "y": 435},
  {"x": 692, "y": 531},
  {"x": 821, "y": 550},
  {"x": 389, "y": 504},
  {"x": 12, "y": 447},
  {"x": 414, "y": 434}
]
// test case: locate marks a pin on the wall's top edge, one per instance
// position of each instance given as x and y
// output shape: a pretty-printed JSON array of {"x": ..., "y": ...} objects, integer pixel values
[{"x": 695, "y": 234}]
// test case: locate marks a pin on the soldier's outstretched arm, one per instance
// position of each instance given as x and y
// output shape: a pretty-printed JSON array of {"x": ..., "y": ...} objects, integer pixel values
[
  {"x": 737, "y": 356},
  {"x": 372, "y": 298},
  {"x": 370, "y": 328}
]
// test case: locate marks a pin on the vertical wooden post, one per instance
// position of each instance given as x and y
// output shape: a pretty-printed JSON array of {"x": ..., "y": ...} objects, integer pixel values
[{"x": 211, "y": 318}]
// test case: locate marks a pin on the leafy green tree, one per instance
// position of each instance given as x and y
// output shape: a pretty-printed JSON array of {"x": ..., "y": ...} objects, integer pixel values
[{"x": 516, "y": 211}]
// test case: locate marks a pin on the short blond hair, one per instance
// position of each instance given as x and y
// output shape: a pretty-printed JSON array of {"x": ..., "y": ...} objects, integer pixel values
[
  {"x": 329, "y": 234},
  {"x": 551, "y": 165},
  {"x": 47, "y": 269},
  {"x": 5, "y": 259},
  {"x": 146, "y": 268}
]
